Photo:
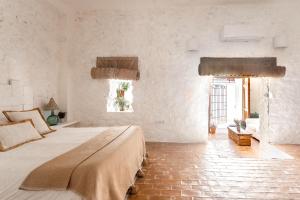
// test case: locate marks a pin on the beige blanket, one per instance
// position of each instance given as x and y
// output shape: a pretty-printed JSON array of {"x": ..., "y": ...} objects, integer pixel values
[{"x": 101, "y": 169}]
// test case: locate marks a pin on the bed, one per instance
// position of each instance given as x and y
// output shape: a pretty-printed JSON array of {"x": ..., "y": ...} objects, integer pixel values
[{"x": 18, "y": 163}]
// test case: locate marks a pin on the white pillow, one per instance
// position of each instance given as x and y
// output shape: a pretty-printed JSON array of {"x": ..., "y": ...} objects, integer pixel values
[
  {"x": 18, "y": 133},
  {"x": 35, "y": 115}
]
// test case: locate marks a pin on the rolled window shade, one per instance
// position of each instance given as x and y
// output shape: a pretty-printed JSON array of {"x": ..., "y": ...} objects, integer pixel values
[{"x": 125, "y": 68}]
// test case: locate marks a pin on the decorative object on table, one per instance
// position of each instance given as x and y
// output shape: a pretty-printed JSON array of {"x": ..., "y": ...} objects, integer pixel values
[
  {"x": 243, "y": 124},
  {"x": 254, "y": 115},
  {"x": 61, "y": 116},
  {"x": 238, "y": 124},
  {"x": 52, "y": 119},
  {"x": 212, "y": 128},
  {"x": 120, "y": 102}
]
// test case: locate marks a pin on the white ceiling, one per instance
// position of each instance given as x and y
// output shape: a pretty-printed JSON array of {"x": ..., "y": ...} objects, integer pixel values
[{"x": 123, "y": 4}]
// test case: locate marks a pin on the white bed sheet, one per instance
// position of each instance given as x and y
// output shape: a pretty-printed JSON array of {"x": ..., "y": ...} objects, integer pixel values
[{"x": 16, "y": 164}]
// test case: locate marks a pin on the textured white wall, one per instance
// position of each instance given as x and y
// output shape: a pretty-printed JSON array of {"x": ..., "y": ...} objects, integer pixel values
[
  {"x": 31, "y": 38},
  {"x": 255, "y": 96},
  {"x": 170, "y": 99}
]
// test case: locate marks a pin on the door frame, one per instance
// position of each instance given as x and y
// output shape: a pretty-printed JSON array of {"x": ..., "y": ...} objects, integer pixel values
[
  {"x": 246, "y": 105},
  {"x": 246, "y": 111}
]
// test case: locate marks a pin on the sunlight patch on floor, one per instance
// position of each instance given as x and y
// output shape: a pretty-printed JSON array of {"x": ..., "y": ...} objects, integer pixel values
[
  {"x": 219, "y": 144},
  {"x": 268, "y": 151}
]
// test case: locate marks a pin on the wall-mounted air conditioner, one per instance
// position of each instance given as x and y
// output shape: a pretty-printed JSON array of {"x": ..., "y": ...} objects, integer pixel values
[{"x": 241, "y": 33}]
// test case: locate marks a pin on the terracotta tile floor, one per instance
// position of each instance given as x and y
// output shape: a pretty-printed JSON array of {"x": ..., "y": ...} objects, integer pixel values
[{"x": 219, "y": 170}]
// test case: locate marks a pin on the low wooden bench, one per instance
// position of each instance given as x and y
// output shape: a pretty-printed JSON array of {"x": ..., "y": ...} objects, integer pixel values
[{"x": 242, "y": 138}]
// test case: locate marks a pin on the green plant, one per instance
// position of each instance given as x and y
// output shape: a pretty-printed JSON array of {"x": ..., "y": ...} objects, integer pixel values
[
  {"x": 121, "y": 103},
  {"x": 237, "y": 122},
  {"x": 120, "y": 93},
  {"x": 243, "y": 124},
  {"x": 124, "y": 86},
  {"x": 254, "y": 115}
]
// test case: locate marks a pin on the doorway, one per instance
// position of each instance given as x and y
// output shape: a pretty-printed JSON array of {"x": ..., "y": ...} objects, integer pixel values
[{"x": 229, "y": 99}]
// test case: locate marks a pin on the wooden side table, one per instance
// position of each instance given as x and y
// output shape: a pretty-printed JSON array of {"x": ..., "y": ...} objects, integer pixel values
[
  {"x": 64, "y": 125},
  {"x": 241, "y": 138}
]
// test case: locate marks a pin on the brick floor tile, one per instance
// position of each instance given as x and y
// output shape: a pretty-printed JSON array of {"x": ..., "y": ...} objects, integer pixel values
[{"x": 217, "y": 170}]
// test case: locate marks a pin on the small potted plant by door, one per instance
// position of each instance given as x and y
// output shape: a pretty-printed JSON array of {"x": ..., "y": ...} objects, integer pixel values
[{"x": 212, "y": 128}]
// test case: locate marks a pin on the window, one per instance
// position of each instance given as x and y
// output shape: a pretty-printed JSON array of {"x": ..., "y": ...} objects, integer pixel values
[
  {"x": 218, "y": 99},
  {"x": 120, "y": 96}
]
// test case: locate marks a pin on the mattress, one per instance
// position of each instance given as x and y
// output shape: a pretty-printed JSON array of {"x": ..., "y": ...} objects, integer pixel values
[{"x": 16, "y": 164}]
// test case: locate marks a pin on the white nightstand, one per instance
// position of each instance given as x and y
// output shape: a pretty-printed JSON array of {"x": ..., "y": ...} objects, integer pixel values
[{"x": 64, "y": 125}]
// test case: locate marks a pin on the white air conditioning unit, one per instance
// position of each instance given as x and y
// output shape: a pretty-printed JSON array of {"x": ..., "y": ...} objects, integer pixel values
[{"x": 241, "y": 33}]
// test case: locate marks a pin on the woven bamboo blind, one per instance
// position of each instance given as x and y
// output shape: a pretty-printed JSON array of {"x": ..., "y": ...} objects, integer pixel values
[{"x": 124, "y": 68}]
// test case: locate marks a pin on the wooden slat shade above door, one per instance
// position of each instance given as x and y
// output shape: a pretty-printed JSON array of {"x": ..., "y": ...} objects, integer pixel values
[
  {"x": 240, "y": 67},
  {"x": 124, "y": 68}
]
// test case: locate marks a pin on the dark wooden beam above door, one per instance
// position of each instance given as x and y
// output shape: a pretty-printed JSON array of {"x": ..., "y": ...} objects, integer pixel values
[{"x": 240, "y": 67}]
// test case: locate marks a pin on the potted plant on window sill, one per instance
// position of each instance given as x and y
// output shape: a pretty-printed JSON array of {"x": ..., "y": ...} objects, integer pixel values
[
  {"x": 121, "y": 104},
  {"x": 123, "y": 87}
]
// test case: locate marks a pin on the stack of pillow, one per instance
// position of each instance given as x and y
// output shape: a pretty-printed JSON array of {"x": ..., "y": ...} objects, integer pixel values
[{"x": 22, "y": 127}]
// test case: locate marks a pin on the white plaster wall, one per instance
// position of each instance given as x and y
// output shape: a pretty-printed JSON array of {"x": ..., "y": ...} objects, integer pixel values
[
  {"x": 255, "y": 96},
  {"x": 31, "y": 53},
  {"x": 51, "y": 56},
  {"x": 231, "y": 103},
  {"x": 239, "y": 98},
  {"x": 170, "y": 99}
]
